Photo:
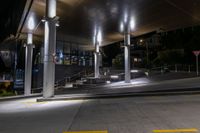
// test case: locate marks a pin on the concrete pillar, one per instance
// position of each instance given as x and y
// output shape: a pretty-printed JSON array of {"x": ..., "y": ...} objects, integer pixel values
[
  {"x": 49, "y": 49},
  {"x": 96, "y": 61},
  {"x": 100, "y": 60},
  {"x": 127, "y": 57},
  {"x": 28, "y": 65}
]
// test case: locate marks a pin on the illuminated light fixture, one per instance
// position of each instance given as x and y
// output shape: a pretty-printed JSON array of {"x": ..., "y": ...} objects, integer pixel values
[
  {"x": 114, "y": 76},
  {"x": 125, "y": 17},
  {"x": 141, "y": 40},
  {"x": 61, "y": 54},
  {"x": 95, "y": 35},
  {"x": 132, "y": 23},
  {"x": 121, "y": 27},
  {"x": 31, "y": 23},
  {"x": 99, "y": 37}
]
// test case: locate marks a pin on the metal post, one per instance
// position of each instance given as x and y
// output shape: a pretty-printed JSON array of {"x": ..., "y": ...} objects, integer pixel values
[
  {"x": 127, "y": 57},
  {"x": 49, "y": 49},
  {"x": 28, "y": 65},
  {"x": 197, "y": 65},
  {"x": 96, "y": 60},
  {"x": 147, "y": 49}
]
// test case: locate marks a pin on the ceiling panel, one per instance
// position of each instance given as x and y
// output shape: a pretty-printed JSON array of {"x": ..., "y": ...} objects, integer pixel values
[{"x": 78, "y": 18}]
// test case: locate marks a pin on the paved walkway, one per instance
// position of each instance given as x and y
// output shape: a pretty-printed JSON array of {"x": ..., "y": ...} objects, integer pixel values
[
  {"x": 127, "y": 115},
  {"x": 137, "y": 85}
]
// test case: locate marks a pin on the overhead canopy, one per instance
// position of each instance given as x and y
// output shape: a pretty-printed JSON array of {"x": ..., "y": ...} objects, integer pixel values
[{"x": 80, "y": 18}]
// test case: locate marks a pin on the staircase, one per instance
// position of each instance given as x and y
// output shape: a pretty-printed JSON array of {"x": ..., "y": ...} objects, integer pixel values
[{"x": 63, "y": 74}]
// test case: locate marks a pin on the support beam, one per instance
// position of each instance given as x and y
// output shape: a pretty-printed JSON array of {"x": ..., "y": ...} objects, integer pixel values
[
  {"x": 96, "y": 61},
  {"x": 127, "y": 57},
  {"x": 49, "y": 49},
  {"x": 28, "y": 65}
]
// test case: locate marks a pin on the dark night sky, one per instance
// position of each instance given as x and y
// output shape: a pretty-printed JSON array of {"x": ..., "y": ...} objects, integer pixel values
[{"x": 10, "y": 12}]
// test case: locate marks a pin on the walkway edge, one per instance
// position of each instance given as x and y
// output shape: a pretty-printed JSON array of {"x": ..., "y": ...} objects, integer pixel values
[
  {"x": 114, "y": 95},
  {"x": 19, "y": 97}
]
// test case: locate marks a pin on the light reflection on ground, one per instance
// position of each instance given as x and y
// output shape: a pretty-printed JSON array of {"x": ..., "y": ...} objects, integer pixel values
[
  {"x": 30, "y": 104},
  {"x": 134, "y": 82}
]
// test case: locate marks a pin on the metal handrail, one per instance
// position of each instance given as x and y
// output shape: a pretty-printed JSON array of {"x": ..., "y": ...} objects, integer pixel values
[{"x": 77, "y": 75}]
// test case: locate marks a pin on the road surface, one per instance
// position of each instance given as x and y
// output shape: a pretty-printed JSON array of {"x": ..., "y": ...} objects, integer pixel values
[{"x": 127, "y": 115}]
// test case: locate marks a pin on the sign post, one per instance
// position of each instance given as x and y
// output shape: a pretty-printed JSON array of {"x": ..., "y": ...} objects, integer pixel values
[{"x": 196, "y": 53}]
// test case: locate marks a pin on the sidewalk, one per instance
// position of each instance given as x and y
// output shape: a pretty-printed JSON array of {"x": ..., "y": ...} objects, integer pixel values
[
  {"x": 173, "y": 87},
  {"x": 19, "y": 97}
]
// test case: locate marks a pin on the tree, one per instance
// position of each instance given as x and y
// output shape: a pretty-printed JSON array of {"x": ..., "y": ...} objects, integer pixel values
[
  {"x": 118, "y": 61},
  {"x": 173, "y": 56}
]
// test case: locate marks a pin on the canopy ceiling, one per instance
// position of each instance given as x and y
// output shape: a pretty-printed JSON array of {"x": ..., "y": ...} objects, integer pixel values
[{"x": 78, "y": 18}]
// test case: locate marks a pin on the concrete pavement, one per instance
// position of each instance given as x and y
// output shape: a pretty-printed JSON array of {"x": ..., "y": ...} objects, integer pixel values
[{"x": 127, "y": 115}]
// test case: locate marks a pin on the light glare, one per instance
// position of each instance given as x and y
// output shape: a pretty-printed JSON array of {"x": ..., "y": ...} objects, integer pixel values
[
  {"x": 94, "y": 40},
  {"x": 134, "y": 71},
  {"x": 31, "y": 23},
  {"x": 132, "y": 24},
  {"x": 121, "y": 27},
  {"x": 99, "y": 37},
  {"x": 125, "y": 17},
  {"x": 114, "y": 76},
  {"x": 61, "y": 54}
]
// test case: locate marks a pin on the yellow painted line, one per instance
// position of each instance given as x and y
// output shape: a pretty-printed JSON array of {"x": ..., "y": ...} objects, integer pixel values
[
  {"x": 87, "y": 131},
  {"x": 176, "y": 130}
]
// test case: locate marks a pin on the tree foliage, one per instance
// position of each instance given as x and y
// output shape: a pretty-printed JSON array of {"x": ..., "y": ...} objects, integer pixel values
[{"x": 173, "y": 56}]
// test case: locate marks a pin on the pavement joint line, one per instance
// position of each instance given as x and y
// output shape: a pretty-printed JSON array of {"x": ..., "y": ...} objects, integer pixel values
[
  {"x": 105, "y": 131},
  {"x": 175, "y": 130}
]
